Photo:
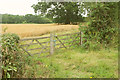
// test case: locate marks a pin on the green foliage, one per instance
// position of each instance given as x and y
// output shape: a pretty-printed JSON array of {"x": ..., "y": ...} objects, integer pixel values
[
  {"x": 8, "y": 18},
  {"x": 119, "y": 12},
  {"x": 60, "y": 12},
  {"x": 28, "y": 18},
  {"x": 11, "y": 55},
  {"x": 77, "y": 63},
  {"x": 102, "y": 27},
  {"x": 15, "y": 63}
]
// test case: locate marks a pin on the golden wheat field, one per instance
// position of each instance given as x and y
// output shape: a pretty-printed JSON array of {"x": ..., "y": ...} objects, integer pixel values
[{"x": 29, "y": 30}]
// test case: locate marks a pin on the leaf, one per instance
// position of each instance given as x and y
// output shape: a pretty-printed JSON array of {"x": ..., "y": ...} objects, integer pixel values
[
  {"x": 8, "y": 75},
  {"x": 15, "y": 69}
]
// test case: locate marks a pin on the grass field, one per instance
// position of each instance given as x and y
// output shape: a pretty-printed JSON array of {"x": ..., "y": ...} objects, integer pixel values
[
  {"x": 28, "y": 30},
  {"x": 76, "y": 63},
  {"x": 65, "y": 63}
]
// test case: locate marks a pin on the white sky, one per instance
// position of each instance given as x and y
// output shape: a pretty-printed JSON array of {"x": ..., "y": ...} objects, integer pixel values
[{"x": 17, "y": 7}]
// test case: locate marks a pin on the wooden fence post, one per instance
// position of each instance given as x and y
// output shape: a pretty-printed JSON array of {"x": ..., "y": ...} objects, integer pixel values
[
  {"x": 80, "y": 38},
  {"x": 51, "y": 43}
]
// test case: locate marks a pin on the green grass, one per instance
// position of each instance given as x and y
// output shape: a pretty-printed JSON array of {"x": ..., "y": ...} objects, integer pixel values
[{"x": 77, "y": 63}]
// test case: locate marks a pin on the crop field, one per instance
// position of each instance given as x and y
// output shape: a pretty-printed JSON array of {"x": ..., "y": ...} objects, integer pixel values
[{"x": 29, "y": 30}]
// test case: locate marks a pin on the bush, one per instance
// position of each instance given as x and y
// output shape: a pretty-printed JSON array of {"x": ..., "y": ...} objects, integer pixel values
[
  {"x": 12, "y": 58},
  {"x": 102, "y": 27},
  {"x": 14, "y": 62}
]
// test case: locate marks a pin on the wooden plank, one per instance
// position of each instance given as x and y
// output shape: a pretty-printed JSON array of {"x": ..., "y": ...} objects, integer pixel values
[
  {"x": 66, "y": 42},
  {"x": 25, "y": 39},
  {"x": 74, "y": 40},
  {"x": 66, "y": 38},
  {"x": 74, "y": 43},
  {"x": 81, "y": 38},
  {"x": 44, "y": 42},
  {"x": 44, "y": 47},
  {"x": 66, "y": 46},
  {"x": 33, "y": 49},
  {"x": 51, "y": 43},
  {"x": 33, "y": 38},
  {"x": 67, "y": 34},
  {"x": 34, "y": 43},
  {"x": 40, "y": 43},
  {"x": 29, "y": 44},
  {"x": 61, "y": 42},
  {"x": 38, "y": 48},
  {"x": 26, "y": 51}
]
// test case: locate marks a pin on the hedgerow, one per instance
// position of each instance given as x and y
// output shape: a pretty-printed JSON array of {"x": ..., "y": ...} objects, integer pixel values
[
  {"x": 12, "y": 57},
  {"x": 102, "y": 27}
]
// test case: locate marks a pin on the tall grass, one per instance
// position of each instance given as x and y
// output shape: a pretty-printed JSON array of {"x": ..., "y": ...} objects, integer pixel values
[{"x": 77, "y": 63}]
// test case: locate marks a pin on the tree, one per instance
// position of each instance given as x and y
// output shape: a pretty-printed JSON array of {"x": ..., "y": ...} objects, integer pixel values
[
  {"x": 103, "y": 23},
  {"x": 60, "y": 12},
  {"x": 29, "y": 18}
]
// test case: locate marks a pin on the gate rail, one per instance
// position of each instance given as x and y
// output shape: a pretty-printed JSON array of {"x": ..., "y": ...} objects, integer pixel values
[{"x": 50, "y": 43}]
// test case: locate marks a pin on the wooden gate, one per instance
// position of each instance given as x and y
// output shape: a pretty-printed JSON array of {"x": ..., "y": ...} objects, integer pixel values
[{"x": 47, "y": 45}]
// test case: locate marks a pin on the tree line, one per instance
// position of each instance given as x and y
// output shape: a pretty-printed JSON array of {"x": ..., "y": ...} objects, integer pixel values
[{"x": 28, "y": 18}]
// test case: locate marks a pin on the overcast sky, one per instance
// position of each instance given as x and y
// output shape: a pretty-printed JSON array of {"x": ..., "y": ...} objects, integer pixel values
[{"x": 17, "y": 7}]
